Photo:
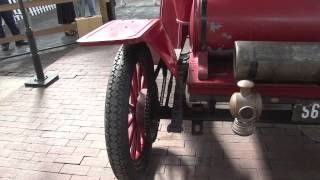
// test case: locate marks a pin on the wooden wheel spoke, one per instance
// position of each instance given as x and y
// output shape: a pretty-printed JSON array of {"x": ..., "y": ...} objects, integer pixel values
[
  {"x": 134, "y": 87},
  {"x": 133, "y": 95},
  {"x": 131, "y": 118},
  {"x": 144, "y": 82},
  {"x": 139, "y": 76},
  {"x": 134, "y": 145},
  {"x": 132, "y": 108},
  {"x": 139, "y": 148},
  {"x": 131, "y": 137}
]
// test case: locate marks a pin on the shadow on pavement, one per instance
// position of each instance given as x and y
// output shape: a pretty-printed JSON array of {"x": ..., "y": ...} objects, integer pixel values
[
  {"x": 23, "y": 65},
  {"x": 288, "y": 153},
  {"x": 205, "y": 159}
]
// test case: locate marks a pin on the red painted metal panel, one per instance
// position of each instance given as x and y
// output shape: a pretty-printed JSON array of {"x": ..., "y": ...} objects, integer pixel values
[
  {"x": 119, "y": 32},
  {"x": 195, "y": 25},
  {"x": 222, "y": 83},
  {"x": 168, "y": 19},
  {"x": 134, "y": 31},
  {"x": 263, "y": 20},
  {"x": 159, "y": 41},
  {"x": 182, "y": 9}
]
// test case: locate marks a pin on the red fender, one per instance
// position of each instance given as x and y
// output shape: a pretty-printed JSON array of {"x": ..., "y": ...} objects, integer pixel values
[{"x": 135, "y": 31}]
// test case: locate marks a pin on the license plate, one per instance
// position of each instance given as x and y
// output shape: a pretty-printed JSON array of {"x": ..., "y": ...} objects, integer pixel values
[{"x": 307, "y": 112}]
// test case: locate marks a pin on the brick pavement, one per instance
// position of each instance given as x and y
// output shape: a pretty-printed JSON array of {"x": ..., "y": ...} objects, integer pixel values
[{"x": 57, "y": 133}]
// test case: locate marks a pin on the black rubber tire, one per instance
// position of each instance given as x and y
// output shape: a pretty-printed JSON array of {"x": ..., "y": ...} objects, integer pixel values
[{"x": 116, "y": 111}]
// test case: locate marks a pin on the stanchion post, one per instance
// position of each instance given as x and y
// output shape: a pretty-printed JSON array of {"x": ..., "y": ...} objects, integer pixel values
[
  {"x": 111, "y": 4},
  {"x": 41, "y": 80}
]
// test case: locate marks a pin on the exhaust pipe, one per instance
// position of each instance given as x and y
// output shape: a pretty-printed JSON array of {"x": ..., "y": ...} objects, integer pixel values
[{"x": 246, "y": 108}]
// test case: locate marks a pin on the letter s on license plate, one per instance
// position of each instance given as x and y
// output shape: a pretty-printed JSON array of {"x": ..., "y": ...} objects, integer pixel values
[{"x": 306, "y": 112}]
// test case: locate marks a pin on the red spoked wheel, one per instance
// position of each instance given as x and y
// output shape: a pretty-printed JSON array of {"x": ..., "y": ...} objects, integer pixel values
[
  {"x": 130, "y": 122},
  {"x": 137, "y": 103}
]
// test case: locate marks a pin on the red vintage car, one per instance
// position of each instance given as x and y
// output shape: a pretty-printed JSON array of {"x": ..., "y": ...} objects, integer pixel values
[{"x": 268, "y": 50}]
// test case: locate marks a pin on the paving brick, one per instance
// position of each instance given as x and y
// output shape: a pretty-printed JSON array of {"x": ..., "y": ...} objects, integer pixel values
[
  {"x": 3, "y": 143},
  {"x": 53, "y": 134},
  {"x": 254, "y": 164},
  {"x": 36, "y": 175},
  {"x": 8, "y": 137},
  {"x": 68, "y": 128},
  {"x": 75, "y": 169},
  {"x": 32, "y": 133},
  {"x": 182, "y": 151},
  {"x": 215, "y": 173},
  {"x": 95, "y": 137},
  {"x": 29, "y": 165},
  {"x": 79, "y": 143},
  {"x": 19, "y": 146},
  {"x": 67, "y": 135},
  {"x": 160, "y": 151},
  {"x": 86, "y": 152},
  {"x": 92, "y": 130},
  {"x": 97, "y": 162},
  {"x": 219, "y": 131},
  {"x": 102, "y": 154},
  {"x": 169, "y": 160},
  {"x": 5, "y": 152},
  {"x": 272, "y": 131},
  {"x": 47, "y": 141},
  {"x": 8, "y": 172},
  {"x": 103, "y": 173},
  {"x": 84, "y": 178},
  {"x": 169, "y": 143},
  {"x": 179, "y": 172},
  {"x": 82, "y": 123},
  {"x": 176, "y": 136},
  {"x": 8, "y": 130},
  {"x": 48, "y": 127},
  {"x": 211, "y": 150},
  {"x": 242, "y": 146},
  {"x": 61, "y": 150},
  {"x": 44, "y": 157},
  {"x": 233, "y": 138},
  {"x": 98, "y": 145},
  {"x": 188, "y": 161},
  {"x": 69, "y": 159},
  {"x": 44, "y": 166},
  {"x": 21, "y": 155}
]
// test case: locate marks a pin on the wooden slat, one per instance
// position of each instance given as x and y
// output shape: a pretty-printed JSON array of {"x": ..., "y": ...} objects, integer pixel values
[
  {"x": 9, "y": 7},
  {"x": 56, "y": 29},
  {"x": 43, "y": 32}
]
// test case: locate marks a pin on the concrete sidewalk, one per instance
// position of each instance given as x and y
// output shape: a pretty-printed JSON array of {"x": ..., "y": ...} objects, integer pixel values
[{"x": 57, "y": 133}]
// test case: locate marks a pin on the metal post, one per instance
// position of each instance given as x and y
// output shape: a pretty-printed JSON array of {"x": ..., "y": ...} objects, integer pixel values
[
  {"x": 41, "y": 80},
  {"x": 111, "y": 5}
]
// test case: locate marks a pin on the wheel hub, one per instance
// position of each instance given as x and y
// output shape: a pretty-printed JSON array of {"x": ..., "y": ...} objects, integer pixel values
[{"x": 140, "y": 109}]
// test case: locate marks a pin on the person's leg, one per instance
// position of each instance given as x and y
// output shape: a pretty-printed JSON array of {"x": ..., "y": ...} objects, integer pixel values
[
  {"x": 79, "y": 7},
  {"x": 123, "y": 3},
  {"x": 5, "y": 46},
  {"x": 9, "y": 19},
  {"x": 92, "y": 7},
  {"x": 82, "y": 8},
  {"x": 155, "y": 3},
  {"x": 2, "y": 34}
]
